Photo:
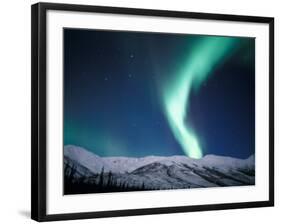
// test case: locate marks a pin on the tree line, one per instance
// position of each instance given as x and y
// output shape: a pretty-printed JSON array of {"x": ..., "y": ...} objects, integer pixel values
[{"x": 76, "y": 183}]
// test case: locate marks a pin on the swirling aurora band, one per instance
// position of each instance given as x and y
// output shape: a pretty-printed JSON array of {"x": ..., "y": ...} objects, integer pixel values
[{"x": 200, "y": 63}]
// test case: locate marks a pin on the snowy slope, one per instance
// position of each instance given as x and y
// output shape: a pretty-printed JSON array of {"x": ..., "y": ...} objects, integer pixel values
[{"x": 167, "y": 172}]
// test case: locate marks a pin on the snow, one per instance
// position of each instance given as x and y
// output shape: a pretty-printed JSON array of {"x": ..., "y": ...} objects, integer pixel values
[
  {"x": 89, "y": 160},
  {"x": 168, "y": 172},
  {"x": 129, "y": 164}
]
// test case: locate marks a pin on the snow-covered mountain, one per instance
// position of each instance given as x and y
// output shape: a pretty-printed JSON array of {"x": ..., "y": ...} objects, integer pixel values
[{"x": 156, "y": 172}]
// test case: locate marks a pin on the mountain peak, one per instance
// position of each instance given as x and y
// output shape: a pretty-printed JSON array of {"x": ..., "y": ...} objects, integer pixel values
[
  {"x": 160, "y": 172},
  {"x": 128, "y": 164},
  {"x": 83, "y": 156}
]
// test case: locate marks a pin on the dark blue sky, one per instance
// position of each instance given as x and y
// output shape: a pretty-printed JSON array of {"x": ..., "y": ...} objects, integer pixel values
[{"x": 112, "y": 104}]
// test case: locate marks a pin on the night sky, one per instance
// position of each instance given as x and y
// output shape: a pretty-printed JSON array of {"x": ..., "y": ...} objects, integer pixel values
[{"x": 138, "y": 94}]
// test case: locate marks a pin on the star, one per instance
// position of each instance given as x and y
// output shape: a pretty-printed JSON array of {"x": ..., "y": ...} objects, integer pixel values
[
  {"x": 132, "y": 55},
  {"x": 106, "y": 78},
  {"x": 130, "y": 75}
]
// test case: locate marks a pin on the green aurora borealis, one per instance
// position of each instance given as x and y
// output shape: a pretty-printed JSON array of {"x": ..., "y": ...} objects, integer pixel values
[
  {"x": 137, "y": 94},
  {"x": 200, "y": 62}
]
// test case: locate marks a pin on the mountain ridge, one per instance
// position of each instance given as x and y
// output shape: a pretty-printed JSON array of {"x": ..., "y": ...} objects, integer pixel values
[
  {"x": 159, "y": 172},
  {"x": 87, "y": 158}
]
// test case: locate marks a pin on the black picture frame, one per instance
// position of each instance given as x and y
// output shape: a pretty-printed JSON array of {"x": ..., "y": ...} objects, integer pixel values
[{"x": 38, "y": 70}]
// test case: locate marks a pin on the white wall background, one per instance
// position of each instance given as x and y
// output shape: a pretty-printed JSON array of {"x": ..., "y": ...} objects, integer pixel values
[{"x": 15, "y": 110}]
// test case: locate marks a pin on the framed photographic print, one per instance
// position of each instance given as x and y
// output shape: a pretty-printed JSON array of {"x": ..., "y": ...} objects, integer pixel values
[{"x": 138, "y": 111}]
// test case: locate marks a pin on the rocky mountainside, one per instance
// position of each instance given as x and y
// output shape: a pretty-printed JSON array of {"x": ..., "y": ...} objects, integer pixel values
[{"x": 156, "y": 172}]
